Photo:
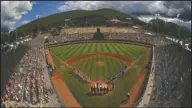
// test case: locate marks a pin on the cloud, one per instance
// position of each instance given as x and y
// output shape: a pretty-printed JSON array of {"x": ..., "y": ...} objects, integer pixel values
[
  {"x": 25, "y": 22},
  {"x": 166, "y": 8},
  {"x": 33, "y": 2},
  {"x": 12, "y": 11},
  {"x": 177, "y": 21}
]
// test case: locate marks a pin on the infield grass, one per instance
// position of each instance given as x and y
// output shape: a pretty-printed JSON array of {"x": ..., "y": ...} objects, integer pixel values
[{"x": 122, "y": 85}]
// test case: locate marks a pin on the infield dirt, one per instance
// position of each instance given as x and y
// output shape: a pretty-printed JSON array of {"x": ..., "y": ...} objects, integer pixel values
[{"x": 63, "y": 90}]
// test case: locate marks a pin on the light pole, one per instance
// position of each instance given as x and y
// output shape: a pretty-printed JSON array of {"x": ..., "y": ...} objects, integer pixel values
[
  {"x": 16, "y": 34},
  {"x": 8, "y": 37},
  {"x": 38, "y": 26},
  {"x": 179, "y": 26},
  {"x": 158, "y": 26},
  {"x": 157, "y": 22}
]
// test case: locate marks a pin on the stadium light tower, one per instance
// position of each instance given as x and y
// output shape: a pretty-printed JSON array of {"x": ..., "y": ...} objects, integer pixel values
[
  {"x": 157, "y": 22},
  {"x": 16, "y": 33},
  {"x": 8, "y": 35},
  {"x": 179, "y": 25},
  {"x": 38, "y": 26}
]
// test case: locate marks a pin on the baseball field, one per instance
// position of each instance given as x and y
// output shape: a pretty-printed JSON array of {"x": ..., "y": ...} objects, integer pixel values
[{"x": 99, "y": 61}]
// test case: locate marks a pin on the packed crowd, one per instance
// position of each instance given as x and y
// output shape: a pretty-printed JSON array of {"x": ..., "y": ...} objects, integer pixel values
[
  {"x": 82, "y": 30},
  {"x": 172, "y": 77},
  {"x": 70, "y": 37},
  {"x": 26, "y": 86},
  {"x": 144, "y": 38},
  {"x": 149, "y": 39}
]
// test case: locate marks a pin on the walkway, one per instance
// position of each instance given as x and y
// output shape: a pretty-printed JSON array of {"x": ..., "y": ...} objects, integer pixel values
[
  {"x": 53, "y": 99},
  {"x": 147, "y": 94}
]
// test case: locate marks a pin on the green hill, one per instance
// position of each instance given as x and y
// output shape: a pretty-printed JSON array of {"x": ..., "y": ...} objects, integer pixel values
[
  {"x": 88, "y": 18},
  {"x": 77, "y": 17}
]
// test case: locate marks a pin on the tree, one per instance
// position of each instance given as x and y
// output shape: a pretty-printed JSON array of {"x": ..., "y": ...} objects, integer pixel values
[
  {"x": 43, "y": 28},
  {"x": 35, "y": 29}
]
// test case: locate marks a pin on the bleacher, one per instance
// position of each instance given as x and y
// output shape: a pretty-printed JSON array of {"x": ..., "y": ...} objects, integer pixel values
[{"x": 173, "y": 70}]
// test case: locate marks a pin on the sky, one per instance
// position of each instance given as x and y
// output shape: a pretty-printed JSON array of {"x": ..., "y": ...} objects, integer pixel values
[{"x": 17, "y": 13}]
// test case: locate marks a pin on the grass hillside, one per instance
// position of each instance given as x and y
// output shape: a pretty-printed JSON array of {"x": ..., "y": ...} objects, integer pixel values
[
  {"x": 77, "y": 17},
  {"x": 95, "y": 18}
]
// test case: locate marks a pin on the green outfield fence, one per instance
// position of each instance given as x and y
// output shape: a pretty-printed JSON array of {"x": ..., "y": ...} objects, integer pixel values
[{"x": 99, "y": 41}]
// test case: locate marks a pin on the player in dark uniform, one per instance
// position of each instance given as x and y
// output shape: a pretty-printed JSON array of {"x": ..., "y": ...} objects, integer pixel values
[
  {"x": 97, "y": 89},
  {"x": 101, "y": 89},
  {"x": 92, "y": 92},
  {"x": 104, "y": 90},
  {"x": 107, "y": 89}
]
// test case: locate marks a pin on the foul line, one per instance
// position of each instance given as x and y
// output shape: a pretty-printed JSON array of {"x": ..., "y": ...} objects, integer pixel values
[{"x": 134, "y": 62}]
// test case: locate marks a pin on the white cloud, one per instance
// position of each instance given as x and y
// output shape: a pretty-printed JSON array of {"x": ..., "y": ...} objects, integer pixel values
[
  {"x": 12, "y": 11},
  {"x": 166, "y": 7},
  {"x": 92, "y": 5},
  {"x": 177, "y": 21},
  {"x": 126, "y": 6},
  {"x": 33, "y": 2},
  {"x": 157, "y": 7},
  {"x": 25, "y": 22}
]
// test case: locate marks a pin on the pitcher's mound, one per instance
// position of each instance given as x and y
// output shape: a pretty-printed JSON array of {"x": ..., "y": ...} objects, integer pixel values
[{"x": 100, "y": 63}]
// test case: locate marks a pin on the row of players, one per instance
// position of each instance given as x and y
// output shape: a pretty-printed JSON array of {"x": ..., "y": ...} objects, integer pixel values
[
  {"x": 81, "y": 75},
  {"x": 99, "y": 88}
]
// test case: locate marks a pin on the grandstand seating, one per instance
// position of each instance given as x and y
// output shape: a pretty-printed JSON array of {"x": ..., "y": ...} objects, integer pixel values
[{"x": 172, "y": 79}]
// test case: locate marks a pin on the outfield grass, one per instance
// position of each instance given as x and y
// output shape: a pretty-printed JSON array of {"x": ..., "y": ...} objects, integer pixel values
[{"x": 122, "y": 85}]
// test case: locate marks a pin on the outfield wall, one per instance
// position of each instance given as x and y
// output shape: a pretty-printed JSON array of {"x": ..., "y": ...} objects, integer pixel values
[{"x": 99, "y": 41}]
